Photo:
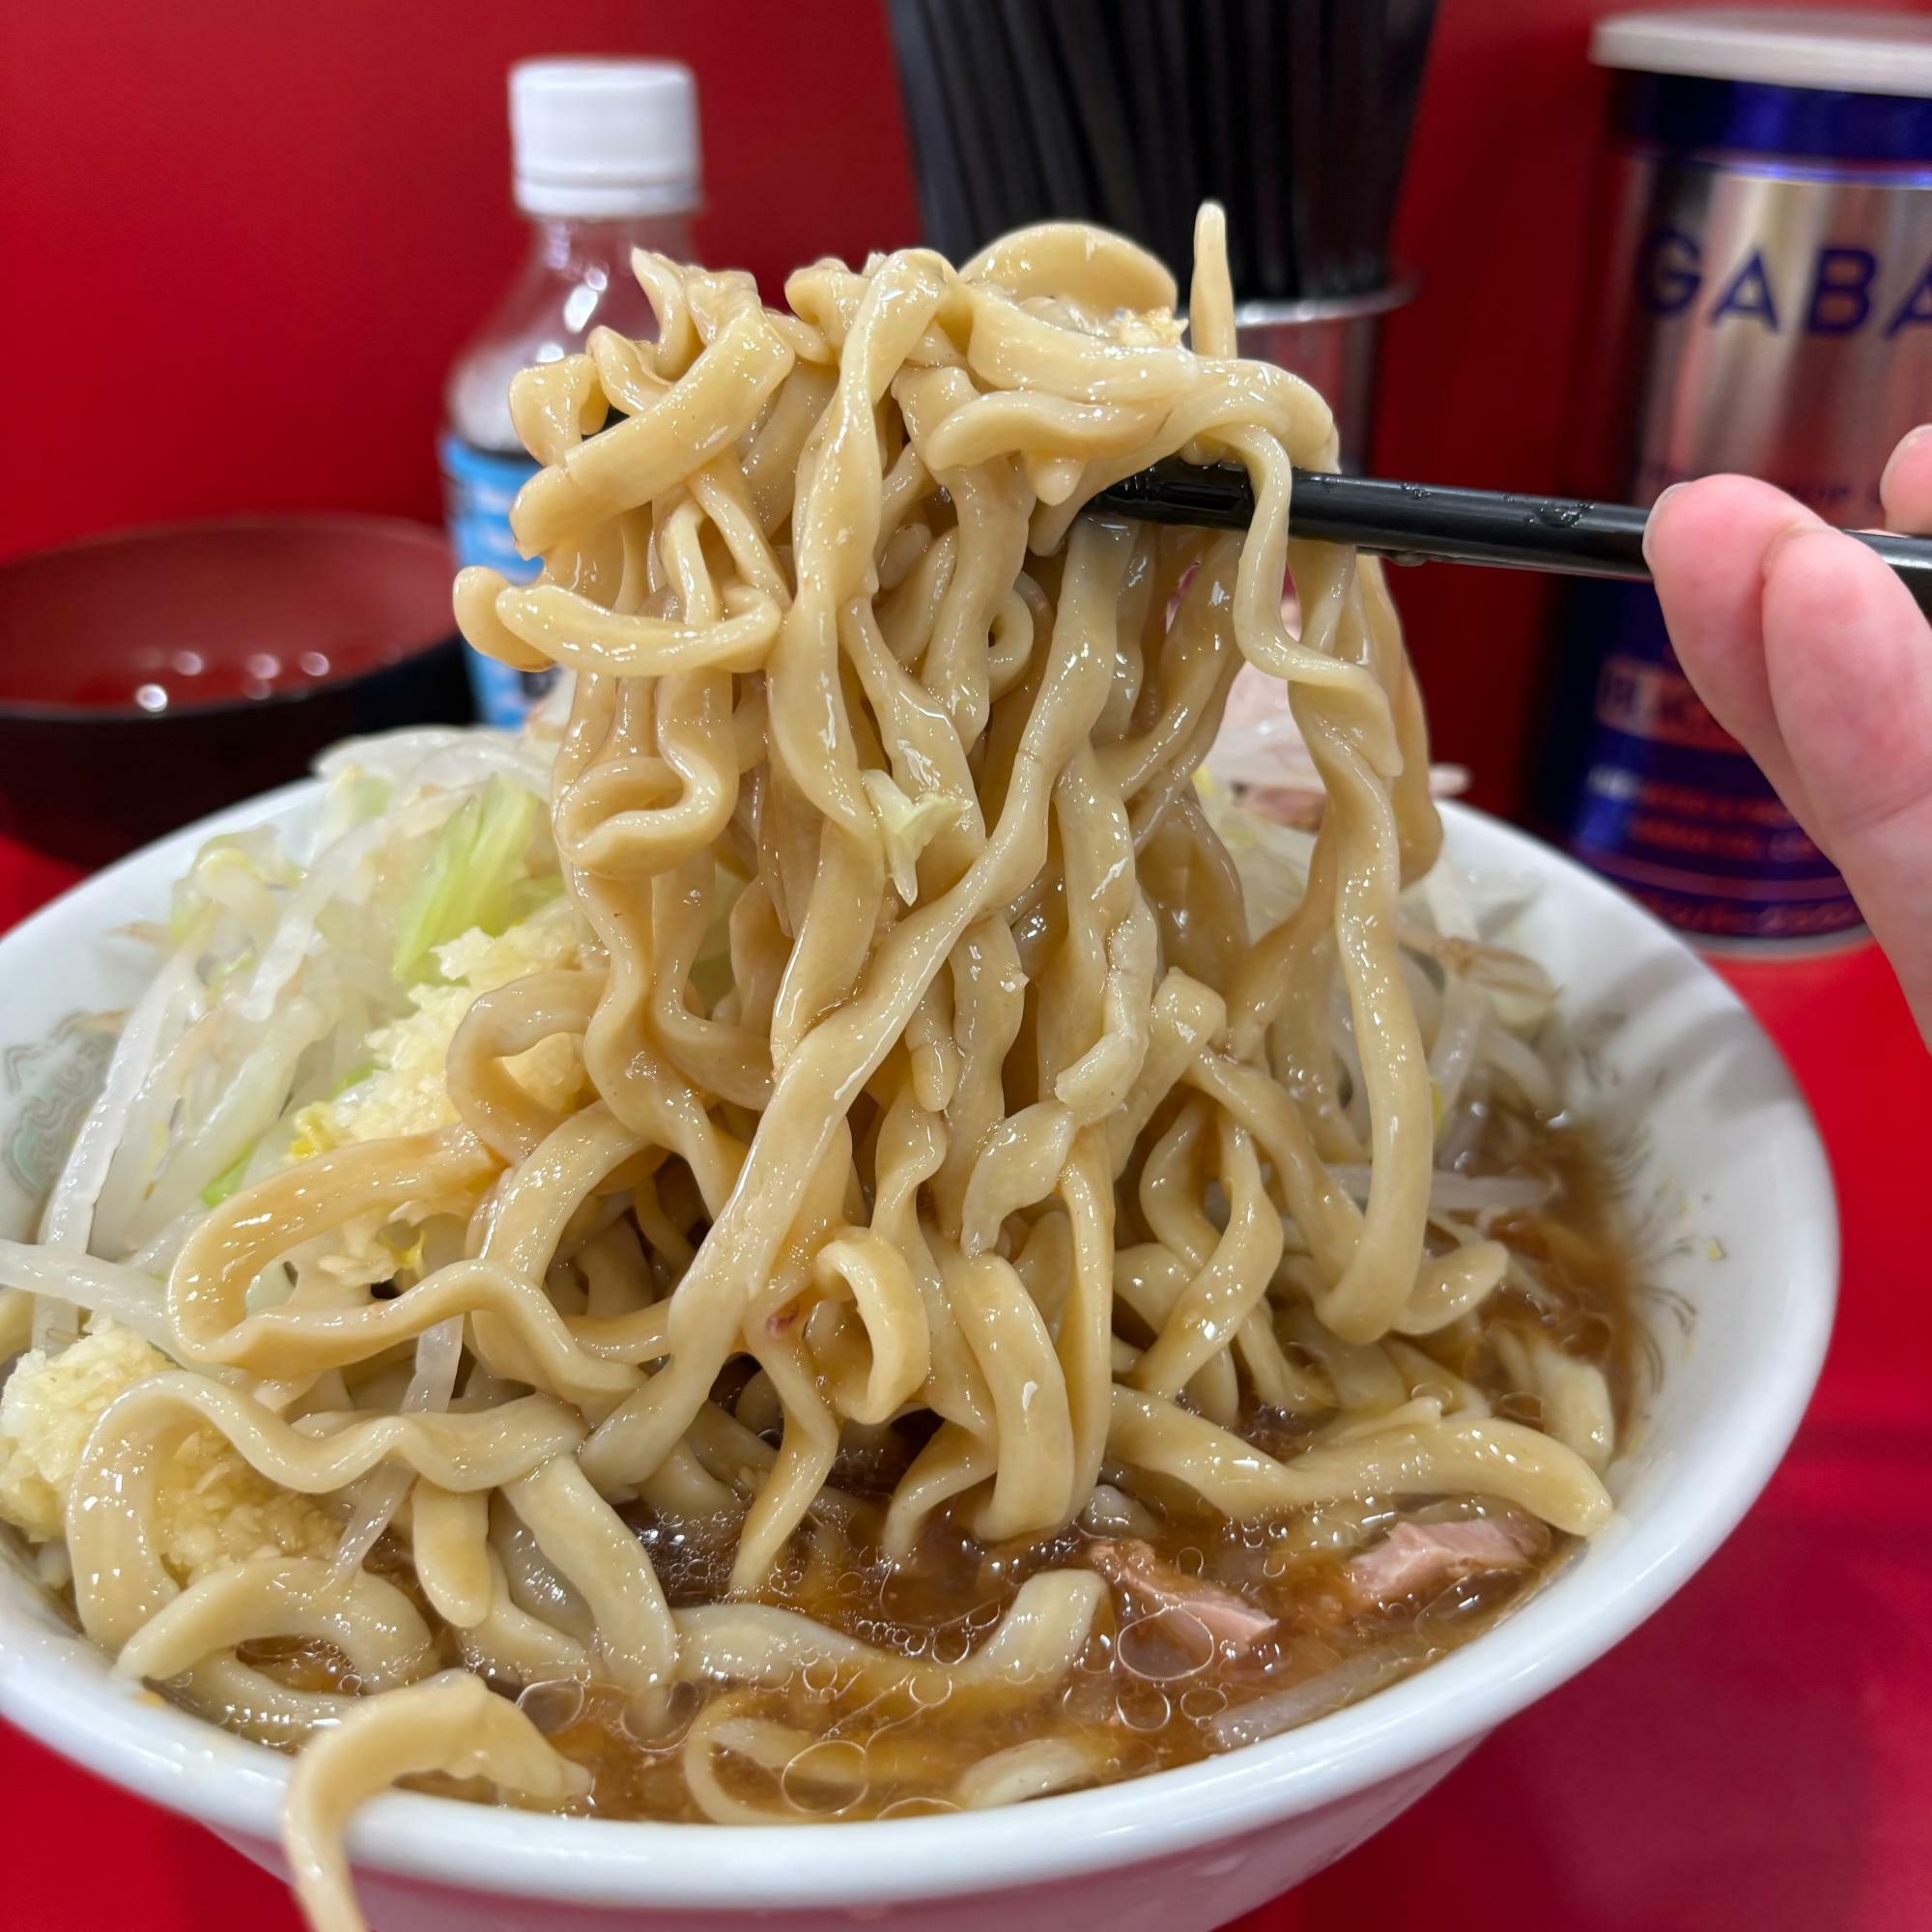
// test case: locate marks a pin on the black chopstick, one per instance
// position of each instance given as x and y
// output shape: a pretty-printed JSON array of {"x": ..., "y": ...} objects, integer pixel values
[{"x": 1416, "y": 522}]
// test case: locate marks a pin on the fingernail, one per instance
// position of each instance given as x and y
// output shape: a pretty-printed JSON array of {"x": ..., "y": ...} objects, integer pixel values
[
  {"x": 1650, "y": 521},
  {"x": 1908, "y": 442}
]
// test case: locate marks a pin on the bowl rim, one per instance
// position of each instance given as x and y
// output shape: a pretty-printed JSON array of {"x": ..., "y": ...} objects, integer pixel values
[
  {"x": 138, "y": 1741},
  {"x": 365, "y": 522}
]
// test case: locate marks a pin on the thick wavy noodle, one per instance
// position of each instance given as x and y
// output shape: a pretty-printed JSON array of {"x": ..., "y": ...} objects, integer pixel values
[{"x": 979, "y": 1311}]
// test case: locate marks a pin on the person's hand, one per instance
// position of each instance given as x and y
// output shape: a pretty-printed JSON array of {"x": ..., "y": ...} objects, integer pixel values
[{"x": 1812, "y": 654}]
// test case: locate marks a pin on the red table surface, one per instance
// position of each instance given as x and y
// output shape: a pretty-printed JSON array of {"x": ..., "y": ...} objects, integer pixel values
[{"x": 1756, "y": 1755}]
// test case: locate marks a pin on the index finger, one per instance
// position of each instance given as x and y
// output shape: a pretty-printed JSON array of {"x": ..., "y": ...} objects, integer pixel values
[{"x": 1848, "y": 663}]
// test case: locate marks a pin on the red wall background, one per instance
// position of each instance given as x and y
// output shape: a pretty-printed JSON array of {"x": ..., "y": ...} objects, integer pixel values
[{"x": 242, "y": 241}]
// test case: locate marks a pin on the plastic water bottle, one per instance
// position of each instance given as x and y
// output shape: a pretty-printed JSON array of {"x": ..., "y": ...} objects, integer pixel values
[{"x": 607, "y": 160}]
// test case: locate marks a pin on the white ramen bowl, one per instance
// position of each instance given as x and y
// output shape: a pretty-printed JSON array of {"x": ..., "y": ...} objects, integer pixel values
[{"x": 1729, "y": 1205}]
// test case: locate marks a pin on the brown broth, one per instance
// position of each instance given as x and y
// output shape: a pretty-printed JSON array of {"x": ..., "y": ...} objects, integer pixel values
[
  {"x": 1151, "y": 1690},
  {"x": 1148, "y": 1690}
]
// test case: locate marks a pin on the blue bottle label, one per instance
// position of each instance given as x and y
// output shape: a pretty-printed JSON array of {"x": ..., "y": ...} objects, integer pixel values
[
  {"x": 1671, "y": 807},
  {"x": 479, "y": 486}
]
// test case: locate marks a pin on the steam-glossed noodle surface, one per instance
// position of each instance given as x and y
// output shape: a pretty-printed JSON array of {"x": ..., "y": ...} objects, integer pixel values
[{"x": 852, "y": 1236}]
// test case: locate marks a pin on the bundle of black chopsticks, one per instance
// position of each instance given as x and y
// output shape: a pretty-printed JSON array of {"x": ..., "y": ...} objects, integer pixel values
[{"x": 1294, "y": 113}]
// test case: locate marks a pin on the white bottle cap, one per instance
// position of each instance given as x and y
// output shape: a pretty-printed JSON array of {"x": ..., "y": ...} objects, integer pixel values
[{"x": 604, "y": 137}]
